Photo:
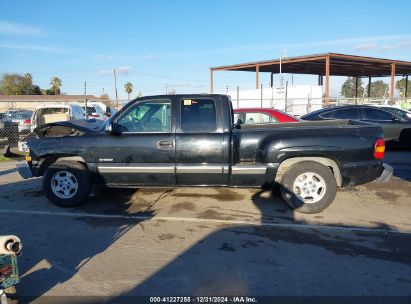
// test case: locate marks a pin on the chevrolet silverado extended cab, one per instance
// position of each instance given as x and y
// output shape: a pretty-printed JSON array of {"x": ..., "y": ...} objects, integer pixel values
[{"x": 191, "y": 140}]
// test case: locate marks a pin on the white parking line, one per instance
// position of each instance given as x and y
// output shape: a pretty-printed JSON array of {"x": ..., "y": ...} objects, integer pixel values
[{"x": 202, "y": 220}]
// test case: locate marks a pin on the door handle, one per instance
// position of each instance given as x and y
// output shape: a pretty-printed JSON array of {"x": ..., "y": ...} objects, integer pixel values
[{"x": 165, "y": 143}]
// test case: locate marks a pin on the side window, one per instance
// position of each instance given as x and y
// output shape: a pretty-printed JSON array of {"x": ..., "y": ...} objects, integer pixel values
[
  {"x": 258, "y": 118},
  {"x": 198, "y": 115},
  {"x": 349, "y": 113},
  {"x": 149, "y": 116},
  {"x": 328, "y": 115},
  {"x": 376, "y": 114}
]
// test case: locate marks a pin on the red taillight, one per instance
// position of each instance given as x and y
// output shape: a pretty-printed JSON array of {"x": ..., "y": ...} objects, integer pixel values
[
  {"x": 94, "y": 115},
  {"x": 379, "y": 148},
  {"x": 27, "y": 122}
]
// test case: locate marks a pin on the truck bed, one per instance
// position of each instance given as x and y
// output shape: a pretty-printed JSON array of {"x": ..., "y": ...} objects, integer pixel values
[{"x": 304, "y": 124}]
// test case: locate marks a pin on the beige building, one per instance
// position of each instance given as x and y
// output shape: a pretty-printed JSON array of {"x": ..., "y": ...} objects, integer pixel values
[{"x": 31, "y": 102}]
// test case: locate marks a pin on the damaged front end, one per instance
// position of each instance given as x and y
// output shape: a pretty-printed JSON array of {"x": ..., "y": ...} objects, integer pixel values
[
  {"x": 61, "y": 129},
  {"x": 54, "y": 139}
]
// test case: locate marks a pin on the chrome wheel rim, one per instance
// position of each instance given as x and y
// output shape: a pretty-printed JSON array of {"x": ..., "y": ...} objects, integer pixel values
[
  {"x": 64, "y": 184},
  {"x": 309, "y": 187}
]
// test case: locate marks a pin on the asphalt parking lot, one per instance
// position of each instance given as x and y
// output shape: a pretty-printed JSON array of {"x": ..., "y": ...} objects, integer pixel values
[{"x": 209, "y": 241}]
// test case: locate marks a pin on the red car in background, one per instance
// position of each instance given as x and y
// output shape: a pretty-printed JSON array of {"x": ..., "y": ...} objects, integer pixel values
[{"x": 251, "y": 116}]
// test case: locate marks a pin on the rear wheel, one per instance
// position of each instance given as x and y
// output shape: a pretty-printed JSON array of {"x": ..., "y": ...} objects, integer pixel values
[
  {"x": 67, "y": 183},
  {"x": 308, "y": 187}
]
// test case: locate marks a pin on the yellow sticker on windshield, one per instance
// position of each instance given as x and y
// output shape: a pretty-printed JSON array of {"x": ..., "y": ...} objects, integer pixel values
[{"x": 187, "y": 102}]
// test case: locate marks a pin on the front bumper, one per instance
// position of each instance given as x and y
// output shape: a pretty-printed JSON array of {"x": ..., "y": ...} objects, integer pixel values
[
  {"x": 386, "y": 174},
  {"x": 24, "y": 170}
]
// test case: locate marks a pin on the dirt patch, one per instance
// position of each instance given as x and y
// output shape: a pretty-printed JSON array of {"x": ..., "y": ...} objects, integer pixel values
[
  {"x": 222, "y": 194},
  {"x": 393, "y": 185},
  {"x": 227, "y": 247},
  {"x": 33, "y": 193},
  {"x": 212, "y": 214},
  {"x": 388, "y": 196},
  {"x": 166, "y": 236},
  {"x": 182, "y": 206}
]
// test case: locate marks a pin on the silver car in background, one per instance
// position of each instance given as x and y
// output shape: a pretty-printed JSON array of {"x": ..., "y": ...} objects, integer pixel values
[{"x": 22, "y": 118}]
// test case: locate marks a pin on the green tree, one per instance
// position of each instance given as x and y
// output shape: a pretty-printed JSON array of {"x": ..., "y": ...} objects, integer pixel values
[
  {"x": 128, "y": 87},
  {"x": 378, "y": 89},
  {"x": 105, "y": 99},
  {"x": 348, "y": 88},
  {"x": 16, "y": 84},
  {"x": 55, "y": 85},
  {"x": 400, "y": 86}
]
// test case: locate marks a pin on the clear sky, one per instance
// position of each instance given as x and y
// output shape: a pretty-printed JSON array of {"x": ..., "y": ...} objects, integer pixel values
[{"x": 154, "y": 43}]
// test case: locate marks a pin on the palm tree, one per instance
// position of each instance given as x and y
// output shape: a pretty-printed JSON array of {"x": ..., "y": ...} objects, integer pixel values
[
  {"x": 128, "y": 87},
  {"x": 56, "y": 84}
]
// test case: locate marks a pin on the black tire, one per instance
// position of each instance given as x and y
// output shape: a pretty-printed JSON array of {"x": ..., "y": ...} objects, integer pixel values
[
  {"x": 328, "y": 192},
  {"x": 11, "y": 295},
  {"x": 81, "y": 177}
]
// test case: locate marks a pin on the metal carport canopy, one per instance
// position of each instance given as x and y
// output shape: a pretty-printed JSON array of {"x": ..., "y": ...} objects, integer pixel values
[{"x": 328, "y": 64}]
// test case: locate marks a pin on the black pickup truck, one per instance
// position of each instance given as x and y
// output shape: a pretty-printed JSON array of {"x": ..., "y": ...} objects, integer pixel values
[{"x": 192, "y": 140}]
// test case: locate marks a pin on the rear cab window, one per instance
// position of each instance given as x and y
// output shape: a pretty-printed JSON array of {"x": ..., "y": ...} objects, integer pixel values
[{"x": 198, "y": 115}]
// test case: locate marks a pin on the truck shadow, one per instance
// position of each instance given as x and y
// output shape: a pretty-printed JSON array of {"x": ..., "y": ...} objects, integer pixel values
[
  {"x": 274, "y": 259},
  {"x": 294, "y": 259},
  {"x": 287, "y": 257}
]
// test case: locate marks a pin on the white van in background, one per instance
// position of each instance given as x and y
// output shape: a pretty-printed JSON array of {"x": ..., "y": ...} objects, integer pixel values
[{"x": 55, "y": 112}]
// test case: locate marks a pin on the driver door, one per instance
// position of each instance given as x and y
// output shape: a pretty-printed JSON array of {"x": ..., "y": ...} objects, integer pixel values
[{"x": 144, "y": 153}]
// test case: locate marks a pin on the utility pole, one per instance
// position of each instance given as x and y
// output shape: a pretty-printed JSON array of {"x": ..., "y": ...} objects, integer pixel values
[
  {"x": 85, "y": 98},
  {"x": 166, "y": 88},
  {"x": 261, "y": 89},
  {"x": 115, "y": 86},
  {"x": 238, "y": 97},
  {"x": 281, "y": 74}
]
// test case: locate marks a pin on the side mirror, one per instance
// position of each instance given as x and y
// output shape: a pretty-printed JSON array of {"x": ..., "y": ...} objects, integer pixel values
[{"x": 112, "y": 128}]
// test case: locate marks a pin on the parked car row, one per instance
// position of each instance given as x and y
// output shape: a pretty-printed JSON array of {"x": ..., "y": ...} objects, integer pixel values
[{"x": 395, "y": 122}]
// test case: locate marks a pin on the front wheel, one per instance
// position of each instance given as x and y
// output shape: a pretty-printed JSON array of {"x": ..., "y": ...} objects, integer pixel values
[
  {"x": 67, "y": 183},
  {"x": 308, "y": 187}
]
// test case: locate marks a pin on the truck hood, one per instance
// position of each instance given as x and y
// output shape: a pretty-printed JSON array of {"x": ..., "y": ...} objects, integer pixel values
[{"x": 69, "y": 127}]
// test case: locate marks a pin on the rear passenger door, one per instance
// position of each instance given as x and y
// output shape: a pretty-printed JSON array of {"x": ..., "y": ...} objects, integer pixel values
[{"x": 199, "y": 142}]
